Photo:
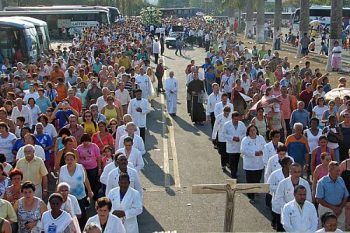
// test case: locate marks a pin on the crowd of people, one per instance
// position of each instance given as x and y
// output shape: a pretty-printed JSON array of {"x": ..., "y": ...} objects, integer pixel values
[
  {"x": 75, "y": 122},
  {"x": 277, "y": 119}
]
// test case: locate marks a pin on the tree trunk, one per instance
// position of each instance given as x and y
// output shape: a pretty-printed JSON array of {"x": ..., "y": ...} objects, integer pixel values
[
  {"x": 277, "y": 23},
  {"x": 249, "y": 18},
  {"x": 304, "y": 22},
  {"x": 335, "y": 29},
  {"x": 260, "y": 21}
]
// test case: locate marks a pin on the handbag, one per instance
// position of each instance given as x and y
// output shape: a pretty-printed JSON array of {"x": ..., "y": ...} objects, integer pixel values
[{"x": 203, "y": 97}]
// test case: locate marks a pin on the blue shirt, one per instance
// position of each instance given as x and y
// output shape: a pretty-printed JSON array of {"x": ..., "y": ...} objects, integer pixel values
[
  {"x": 45, "y": 141},
  {"x": 330, "y": 191},
  {"x": 43, "y": 103},
  {"x": 62, "y": 117},
  {"x": 299, "y": 116}
]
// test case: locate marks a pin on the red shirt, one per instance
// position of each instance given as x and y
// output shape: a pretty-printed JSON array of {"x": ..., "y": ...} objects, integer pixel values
[
  {"x": 75, "y": 102},
  {"x": 102, "y": 141},
  {"x": 306, "y": 97}
]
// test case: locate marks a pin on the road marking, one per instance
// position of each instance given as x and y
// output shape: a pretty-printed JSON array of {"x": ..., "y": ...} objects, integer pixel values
[
  {"x": 165, "y": 146},
  {"x": 171, "y": 134}
]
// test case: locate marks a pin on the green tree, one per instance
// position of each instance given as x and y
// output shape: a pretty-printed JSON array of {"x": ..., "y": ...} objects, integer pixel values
[
  {"x": 335, "y": 28},
  {"x": 260, "y": 21},
  {"x": 304, "y": 22},
  {"x": 233, "y": 5},
  {"x": 151, "y": 16}
]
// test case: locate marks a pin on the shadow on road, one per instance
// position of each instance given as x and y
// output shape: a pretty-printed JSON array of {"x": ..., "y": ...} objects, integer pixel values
[{"x": 147, "y": 223}]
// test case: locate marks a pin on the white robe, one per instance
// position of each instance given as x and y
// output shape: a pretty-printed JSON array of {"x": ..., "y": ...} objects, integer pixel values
[
  {"x": 114, "y": 224},
  {"x": 272, "y": 165},
  {"x": 135, "y": 158},
  {"x": 139, "y": 118},
  {"x": 269, "y": 151},
  {"x": 171, "y": 88},
  {"x": 121, "y": 130},
  {"x": 137, "y": 143},
  {"x": 131, "y": 204},
  {"x": 295, "y": 219},
  {"x": 108, "y": 168},
  {"x": 145, "y": 84},
  {"x": 113, "y": 179},
  {"x": 285, "y": 193}
]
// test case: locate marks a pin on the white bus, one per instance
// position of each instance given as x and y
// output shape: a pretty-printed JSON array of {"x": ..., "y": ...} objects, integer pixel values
[
  {"x": 321, "y": 13},
  {"x": 63, "y": 23}
]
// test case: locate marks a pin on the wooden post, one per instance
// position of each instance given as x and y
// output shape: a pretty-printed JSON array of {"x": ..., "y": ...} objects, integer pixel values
[{"x": 230, "y": 188}]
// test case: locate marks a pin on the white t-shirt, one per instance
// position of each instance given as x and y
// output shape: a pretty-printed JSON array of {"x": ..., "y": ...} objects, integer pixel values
[
  {"x": 39, "y": 152},
  {"x": 319, "y": 112},
  {"x": 71, "y": 206},
  {"x": 35, "y": 114},
  {"x": 50, "y": 130},
  {"x": 58, "y": 225},
  {"x": 6, "y": 145}
]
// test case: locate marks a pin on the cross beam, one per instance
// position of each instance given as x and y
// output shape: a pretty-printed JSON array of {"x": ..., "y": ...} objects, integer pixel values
[{"x": 230, "y": 188}]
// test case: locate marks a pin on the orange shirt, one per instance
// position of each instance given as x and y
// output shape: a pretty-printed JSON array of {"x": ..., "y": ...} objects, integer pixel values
[
  {"x": 61, "y": 92},
  {"x": 76, "y": 104},
  {"x": 55, "y": 75}
]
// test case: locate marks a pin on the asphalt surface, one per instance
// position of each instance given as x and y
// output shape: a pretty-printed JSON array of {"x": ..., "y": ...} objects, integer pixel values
[{"x": 180, "y": 155}]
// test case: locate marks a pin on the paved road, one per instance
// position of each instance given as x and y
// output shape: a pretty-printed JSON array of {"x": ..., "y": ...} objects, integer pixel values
[{"x": 180, "y": 155}]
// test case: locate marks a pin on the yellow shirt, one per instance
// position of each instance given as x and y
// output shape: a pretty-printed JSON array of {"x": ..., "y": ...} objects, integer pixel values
[
  {"x": 90, "y": 128},
  {"x": 7, "y": 211},
  {"x": 33, "y": 170}
]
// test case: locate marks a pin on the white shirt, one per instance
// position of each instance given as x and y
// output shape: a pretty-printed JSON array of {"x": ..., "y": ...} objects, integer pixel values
[
  {"x": 219, "y": 107},
  {"x": 212, "y": 101},
  {"x": 71, "y": 206},
  {"x": 122, "y": 96},
  {"x": 39, "y": 152},
  {"x": 322, "y": 230},
  {"x": 114, "y": 224},
  {"x": 50, "y": 130},
  {"x": 113, "y": 179},
  {"x": 28, "y": 95},
  {"x": 269, "y": 151},
  {"x": 297, "y": 219},
  {"x": 229, "y": 132},
  {"x": 59, "y": 225},
  {"x": 272, "y": 165},
  {"x": 139, "y": 118},
  {"x": 121, "y": 130},
  {"x": 248, "y": 148},
  {"x": 227, "y": 83},
  {"x": 100, "y": 103},
  {"x": 313, "y": 140},
  {"x": 6, "y": 145},
  {"x": 285, "y": 193},
  {"x": 274, "y": 179},
  {"x": 137, "y": 143},
  {"x": 156, "y": 47},
  {"x": 25, "y": 112},
  {"x": 35, "y": 111},
  {"x": 107, "y": 169},
  {"x": 218, "y": 128},
  {"x": 131, "y": 204},
  {"x": 135, "y": 158}
]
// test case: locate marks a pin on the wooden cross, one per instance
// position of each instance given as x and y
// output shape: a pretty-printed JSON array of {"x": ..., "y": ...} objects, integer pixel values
[{"x": 230, "y": 188}]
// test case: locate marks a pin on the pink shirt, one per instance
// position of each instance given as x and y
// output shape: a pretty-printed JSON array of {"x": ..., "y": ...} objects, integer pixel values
[
  {"x": 87, "y": 156},
  {"x": 285, "y": 107}
]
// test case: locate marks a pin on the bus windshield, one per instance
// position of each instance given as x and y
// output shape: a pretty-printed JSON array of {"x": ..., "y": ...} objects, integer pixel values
[{"x": 11, "y": 40}]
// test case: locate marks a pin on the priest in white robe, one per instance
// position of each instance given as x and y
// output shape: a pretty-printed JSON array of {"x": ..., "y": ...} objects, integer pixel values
[{"x": 171, "y": 88}]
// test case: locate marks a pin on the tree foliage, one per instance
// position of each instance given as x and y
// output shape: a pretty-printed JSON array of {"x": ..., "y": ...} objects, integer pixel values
[{"x": 151, "y": 16}]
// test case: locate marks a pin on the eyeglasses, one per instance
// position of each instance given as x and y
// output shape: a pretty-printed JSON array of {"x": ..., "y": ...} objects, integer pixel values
[{"x": 113, "y": 124}]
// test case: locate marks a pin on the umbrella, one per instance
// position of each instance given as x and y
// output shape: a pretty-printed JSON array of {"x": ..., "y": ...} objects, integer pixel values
[
  {"x": 245, "y": 97},
  {"x": 200, "y": 13},
  {"x": 347, "y": 27},
  {"x": 337, "y": 92},
  {"x": 315, "y": 22}
]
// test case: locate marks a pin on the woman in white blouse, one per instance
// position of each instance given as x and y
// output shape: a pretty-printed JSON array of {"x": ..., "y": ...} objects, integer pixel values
[{"x": 252, "y": 150}]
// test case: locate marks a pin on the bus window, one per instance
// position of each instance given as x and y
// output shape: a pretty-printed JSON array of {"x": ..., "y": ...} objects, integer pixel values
[{"x": 104, "y": 18}]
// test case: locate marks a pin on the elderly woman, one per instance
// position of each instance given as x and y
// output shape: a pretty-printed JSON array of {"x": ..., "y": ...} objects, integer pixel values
[
  {"x": 110, "y": 110},
  {"x": 105, "y": 219},
  {"x": 74, "y": 174},
  {"x": 13, "y": 192},
  {"x": 57, "y": 220},
  {"x": 29, "y": 209}
]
